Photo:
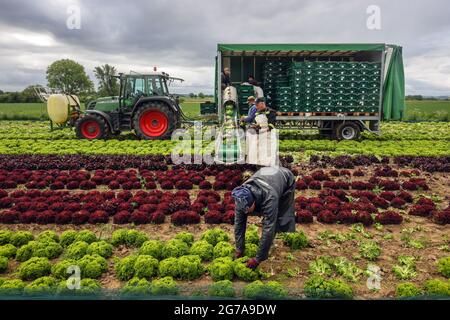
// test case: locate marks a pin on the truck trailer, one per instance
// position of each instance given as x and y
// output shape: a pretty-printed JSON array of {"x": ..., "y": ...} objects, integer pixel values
[{"x": 339, "y": 89}]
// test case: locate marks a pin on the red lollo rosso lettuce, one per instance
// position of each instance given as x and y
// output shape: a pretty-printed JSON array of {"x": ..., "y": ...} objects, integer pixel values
[
  {"x": 320, "y": 175},
  {"x": 28, "y": 217},
  {"x": 80, "y": 217},
  {"x": 361, "y": 185},
  {"x": 46, "y": 217},
  {"x": 139, "y": 217},
  {"x": 6, "y": 203},
  {"x": 334, "y": 173},
  {"x": 205, "y": 185},
  {"x": 346, "y": 217},
  {"x": 157, "y": 217},
  {"x": 387, "y": 195},
  {"x": 326, "y": 216},
  {"x": 178, "y": 204},
  {"x": 398, "y": 203},
  {"x": 122, "y": 217},
  {"x": 184, "y": 217},
  {"x": 410, "y": 186},
  {"x": 389, "y": 185},
  {"x": 213, "y": 217},
  {"x": 304, "y": 216},
  {"x": 215, "y": 207},
  {"x": 301, "y": 185},
  {"x": 442, "y": 217},
  {"x": 315, "y": 185},
  {"x": 182, "y": 194},
  {"x": 364, "y": 217},
  {"x": 333, "y": 207},
  {"x": 358, "y": 173},
  {"x": 364, "y": 194},
  {"x": 219, "y": 185},
  {"x": 426, "y": 202},
  {"x": 343, "y": 185},
  {"x": 63, "y": 217},
  {"x": 3, "y": 194},
  {"x": 367, "y": 206},
  {"x": 99, "y": 216},
  {"x": 184, "y": 185},
  {"x": 380, "y": 203},
  {"x": 9, "y": 216},
  {"x": 148, "y": 208},
  {"x": 198, "y": 207},
  {"x": 314, "y": 207},
  {"x": 330, "y": 185},
  {"x": 389, "y": 217},
  {"x": 405, "y": 196},
  {"x": 228, "y": 217},
  {"x": 421, "y": 210}
]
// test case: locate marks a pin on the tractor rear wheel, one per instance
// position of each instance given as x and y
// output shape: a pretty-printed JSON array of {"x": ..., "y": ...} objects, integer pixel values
[
  {"x": 91, "y": 127},
  {"x": 154, "y": 121}
]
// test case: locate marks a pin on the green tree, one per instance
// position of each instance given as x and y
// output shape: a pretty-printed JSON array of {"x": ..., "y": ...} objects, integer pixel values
[
  {"x": 69, "y": 77},
  {"x": 29, "y": 95},
  {"x": 201, "y": 95},
  {"x": 107, "y": 84},
  {"x": 192, "y": 95}
]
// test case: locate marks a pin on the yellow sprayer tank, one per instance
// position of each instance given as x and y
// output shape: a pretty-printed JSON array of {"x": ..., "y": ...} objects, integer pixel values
[{"x": 60, "y": 106}]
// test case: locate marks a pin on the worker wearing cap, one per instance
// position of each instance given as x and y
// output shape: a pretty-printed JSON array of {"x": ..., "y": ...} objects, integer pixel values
[
  {"x": 250, "y": 118},
  {"x": 265, "y": 117},
  {"x": 270, "y": 193}
]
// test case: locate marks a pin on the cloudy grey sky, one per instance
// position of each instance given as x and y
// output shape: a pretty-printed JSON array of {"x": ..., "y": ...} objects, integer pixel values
[{"x": 180, "y": 36}]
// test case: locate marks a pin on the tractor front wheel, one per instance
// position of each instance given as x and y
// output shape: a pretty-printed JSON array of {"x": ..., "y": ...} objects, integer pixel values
[
  {"x": 154, "y": 121},
  {"x": 91, "y": 127}
]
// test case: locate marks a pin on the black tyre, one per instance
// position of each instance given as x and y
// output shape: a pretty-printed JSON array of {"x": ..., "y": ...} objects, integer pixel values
[
  {"x": 154, "y": 120},
  {"x": 347, "y": 131},
  {"x": 91, "y": 127}
]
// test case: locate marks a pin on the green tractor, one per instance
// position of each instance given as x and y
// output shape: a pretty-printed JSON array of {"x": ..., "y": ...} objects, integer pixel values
[{"x": 143, "y": 105}]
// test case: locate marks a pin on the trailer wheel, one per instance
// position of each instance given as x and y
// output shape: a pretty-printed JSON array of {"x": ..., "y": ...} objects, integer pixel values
[
  {"x": 154, "y": 121},
  {"x": 347, "y": 131},
  {"x": 91, "y": 127}
]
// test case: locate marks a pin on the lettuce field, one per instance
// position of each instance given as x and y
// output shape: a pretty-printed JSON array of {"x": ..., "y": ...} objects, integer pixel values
[{"x": 372, "y": 218}]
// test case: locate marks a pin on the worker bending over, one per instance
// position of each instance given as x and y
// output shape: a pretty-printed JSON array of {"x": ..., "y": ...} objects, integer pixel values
[{"x": 270, "y": 194}]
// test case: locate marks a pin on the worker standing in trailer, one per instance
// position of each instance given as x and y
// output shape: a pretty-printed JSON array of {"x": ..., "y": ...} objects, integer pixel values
[
  {"x": 226, "y": 80},
  {"x": 270, "y": 193}
]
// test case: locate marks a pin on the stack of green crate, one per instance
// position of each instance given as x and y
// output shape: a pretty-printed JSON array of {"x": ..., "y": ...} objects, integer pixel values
[
  {"x": 301, "y": 81},
  {"x": 274, "y": 80},
  {"x": 335, "y": 86},
  {"x": 244, "y": 91},
  {"x": 208, "y": 108}
]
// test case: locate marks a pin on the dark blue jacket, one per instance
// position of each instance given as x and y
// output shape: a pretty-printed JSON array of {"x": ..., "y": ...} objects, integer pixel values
[{"x": 251, "y": 114}]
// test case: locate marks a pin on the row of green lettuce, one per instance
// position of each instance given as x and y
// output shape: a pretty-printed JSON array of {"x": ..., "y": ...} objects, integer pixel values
[
  {"x": 388, "y": 131},
  {"x": 308, "y": 147}
]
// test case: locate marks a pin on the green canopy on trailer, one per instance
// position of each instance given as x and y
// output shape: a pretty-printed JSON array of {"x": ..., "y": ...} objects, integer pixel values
[
  {"x": 394, "y": 79},
  {"x": 298, "y": 47}
]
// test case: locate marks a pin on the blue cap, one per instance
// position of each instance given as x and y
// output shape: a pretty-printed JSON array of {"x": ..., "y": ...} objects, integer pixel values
[{"x": 243, "y": 198}]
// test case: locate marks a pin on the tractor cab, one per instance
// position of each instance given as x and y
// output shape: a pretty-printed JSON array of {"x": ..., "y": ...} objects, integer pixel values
[
  {"x": 144, "y": 106},
  {"x": 135, "y": 87}
]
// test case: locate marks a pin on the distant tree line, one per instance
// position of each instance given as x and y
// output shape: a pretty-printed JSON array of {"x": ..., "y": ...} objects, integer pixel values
[
  {"x": 420, "y": 98},
  {"x": 68, "y": 76},
  {"x": 200, "y": 95}
]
